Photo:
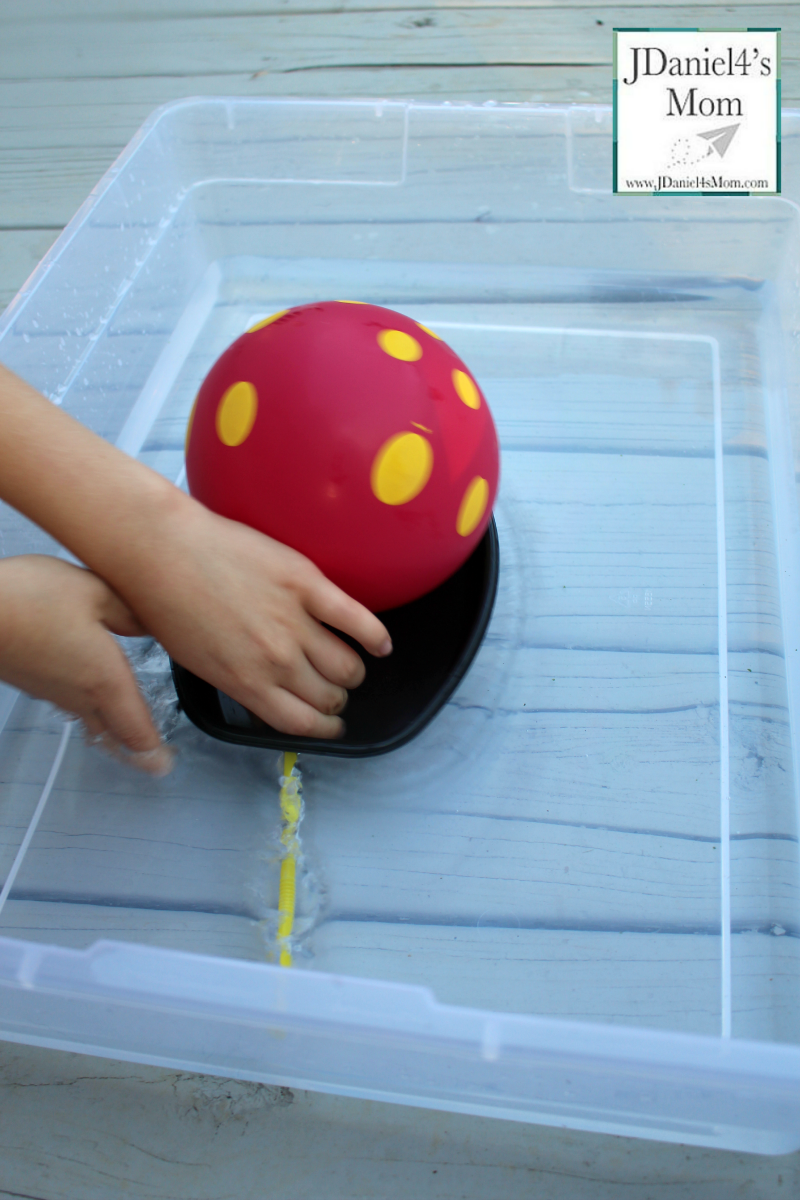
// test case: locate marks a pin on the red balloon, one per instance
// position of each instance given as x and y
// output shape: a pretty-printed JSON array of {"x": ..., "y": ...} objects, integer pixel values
[{"x": 355, "y": 435}]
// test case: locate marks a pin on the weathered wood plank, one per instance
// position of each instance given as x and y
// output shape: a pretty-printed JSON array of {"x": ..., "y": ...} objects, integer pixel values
[
  {"x": 77, "y": 88},
  {"x": 80, "y": 1127},
  {"x": 59, "y": 137},
  {"x": 20, "y": 251},
  {"x": 11, "y": 11},
  {"x": 311, "y": 41},
  {"x": 295, "y": 43},
  {"x": 73, "y": 112},
  {"x": 307, "y": 41},
  {"x": 49, "y": 114},
  {"x": 448, "y": 869},
  {"x": 58, "y": 152},
  {"x": 635, "y": 978}
]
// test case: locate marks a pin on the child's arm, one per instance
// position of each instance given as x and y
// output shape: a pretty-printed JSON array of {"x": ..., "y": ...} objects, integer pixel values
[{"x": 239, "y": 609}]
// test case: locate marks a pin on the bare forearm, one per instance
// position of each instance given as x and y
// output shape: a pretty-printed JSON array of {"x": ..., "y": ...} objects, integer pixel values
[{"x": 98, "y": 502}]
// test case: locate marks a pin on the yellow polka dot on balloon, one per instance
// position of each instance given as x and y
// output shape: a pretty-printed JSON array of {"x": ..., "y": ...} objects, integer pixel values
[
  {"x": 466, "y": 389},
  {"x": 399, "y": 345},
  {"x": 267, "y": 320},
  {"x": 352, "y": 302},
  {"x": 473, "y": 506},
  {"x": 401, "y": 468},
  {"x": 189, "y": 425},
  {"x": 236, "y": 413},
  {"x": 430, "y": 331}
]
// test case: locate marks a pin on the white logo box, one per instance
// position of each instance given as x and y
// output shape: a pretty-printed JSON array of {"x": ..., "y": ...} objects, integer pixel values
[{"x": 697, "y": 111}]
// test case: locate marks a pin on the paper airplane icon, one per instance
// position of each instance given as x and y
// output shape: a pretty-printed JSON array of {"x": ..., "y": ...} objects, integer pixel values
[{"x": 720, "y": 138}]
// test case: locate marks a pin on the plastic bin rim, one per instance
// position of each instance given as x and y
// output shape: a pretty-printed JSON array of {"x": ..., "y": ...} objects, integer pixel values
[
  {"x": 164, "y": 111},
  {"x": 364, "y": 1007}
]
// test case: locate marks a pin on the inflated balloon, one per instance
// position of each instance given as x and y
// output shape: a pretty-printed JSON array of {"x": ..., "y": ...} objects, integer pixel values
[{"x": 355, "y": 435}]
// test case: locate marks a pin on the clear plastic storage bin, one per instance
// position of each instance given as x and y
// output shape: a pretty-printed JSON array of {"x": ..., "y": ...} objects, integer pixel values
[{"x": 573, "y": 899}]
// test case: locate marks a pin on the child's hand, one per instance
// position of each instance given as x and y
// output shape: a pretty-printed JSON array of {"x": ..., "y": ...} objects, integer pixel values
[
  {"x": 245, "y": 613},
  {"x": 55, "y": 644}
]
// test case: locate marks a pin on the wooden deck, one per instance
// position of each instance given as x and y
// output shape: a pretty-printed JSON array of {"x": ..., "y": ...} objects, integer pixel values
[
  {"x": 75, "y": 88},
  {"x": 77, "y": 78}
]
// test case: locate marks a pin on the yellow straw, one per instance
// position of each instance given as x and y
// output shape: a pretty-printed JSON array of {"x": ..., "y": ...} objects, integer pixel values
[
  {"x": 291, "y": 814},
  {"x": 286, "y": 901}
]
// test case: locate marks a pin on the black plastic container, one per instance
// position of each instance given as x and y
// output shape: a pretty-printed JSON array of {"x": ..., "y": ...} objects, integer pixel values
[{"x": 435, "y": 639}]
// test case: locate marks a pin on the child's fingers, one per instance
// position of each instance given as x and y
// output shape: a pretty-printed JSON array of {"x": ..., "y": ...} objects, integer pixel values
[
  {"x": 287, "y": 713},
  {"x": 119, "y": 712},
  {"x": 328, "y": 603},
  {"x": 309, "y": 685},
  {"x": 332, "y": 657},
  {"x": 155, "y": 762},
  {"x": 264, "y": 695}
]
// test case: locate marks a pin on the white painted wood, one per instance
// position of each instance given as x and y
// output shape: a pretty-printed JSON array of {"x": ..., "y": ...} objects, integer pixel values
[
  {"x": 11, "y": 11},
  {"x": 307, "y": 41},
  {"x": 76, "y": 1128},
  {"x": 59, "y": 138},
  {"x": 20, "y": 251},
  {"x": 76, "y": 89},
  {"x": 548, "y": 968}
]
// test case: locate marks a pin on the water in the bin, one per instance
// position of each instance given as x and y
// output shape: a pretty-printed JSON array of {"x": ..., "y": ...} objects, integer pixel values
[{"x": 554, "y": 842}]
